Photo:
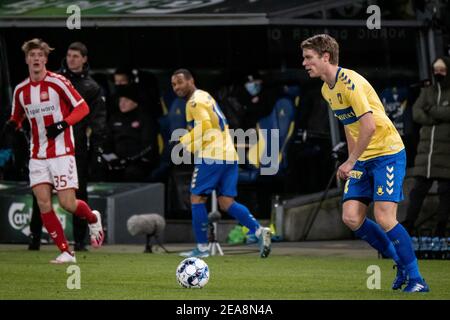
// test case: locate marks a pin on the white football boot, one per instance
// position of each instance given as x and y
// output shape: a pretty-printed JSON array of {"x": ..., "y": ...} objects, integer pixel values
[
  {"x": 65, "y": 257},
  {"x": 96, "y": 231}
]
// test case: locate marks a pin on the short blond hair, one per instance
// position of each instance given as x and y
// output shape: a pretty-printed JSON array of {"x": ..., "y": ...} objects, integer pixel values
[
  {"x": 322, "y": 43},
  {"x": 36, "y": 44}
]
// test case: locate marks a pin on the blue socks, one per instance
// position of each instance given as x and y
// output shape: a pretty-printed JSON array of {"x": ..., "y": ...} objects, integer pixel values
[
  {"x": 236, "y": 210},
  {"x": 395, "y": 244},
  {"x": 200, "y": 222},
  {"x": 374, "y": 235},
  {"x": 243, "y": 215},
  {"x": 402, "y": 242}
]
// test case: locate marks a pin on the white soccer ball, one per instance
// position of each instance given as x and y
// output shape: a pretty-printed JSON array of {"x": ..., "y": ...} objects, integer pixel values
[{"x": 192, "y": 273}]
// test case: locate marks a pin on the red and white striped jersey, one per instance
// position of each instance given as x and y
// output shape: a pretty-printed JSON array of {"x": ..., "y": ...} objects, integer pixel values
[{"x": 44, "y": 103}]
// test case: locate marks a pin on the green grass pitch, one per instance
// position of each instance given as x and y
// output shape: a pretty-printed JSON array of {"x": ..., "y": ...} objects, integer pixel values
[{"x": 123, "y": 275}]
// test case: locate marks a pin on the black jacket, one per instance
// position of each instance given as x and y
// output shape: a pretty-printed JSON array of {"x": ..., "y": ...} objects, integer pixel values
[
  {"x": 96, "y": 119},
  {"x": 133, "y": 136},
  {"x": 432, "y": 111},
  {"x": 257, "y": 107}
]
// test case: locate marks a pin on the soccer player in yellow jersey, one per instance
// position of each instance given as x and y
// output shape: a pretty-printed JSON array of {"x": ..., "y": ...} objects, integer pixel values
[
  {"x": 375, "y": 167},
  {"x": 216, "y": 168}
]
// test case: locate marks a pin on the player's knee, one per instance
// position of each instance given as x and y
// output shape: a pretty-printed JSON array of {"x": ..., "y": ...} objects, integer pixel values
[
  {"x": 45, "y": 205},
  {"x": 68, "y": 204},
  {"x": 195, "y": 199},
  {"x": 353, "y": 221},
  {"x": 386, "y": 214},
  {"x": 385, "y": 220},
  {"x": 225, "y": 203}
]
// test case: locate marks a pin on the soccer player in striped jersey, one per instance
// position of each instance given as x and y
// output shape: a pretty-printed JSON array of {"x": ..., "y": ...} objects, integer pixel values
[
  {"x": 217, "y": 168},
  {"x": 376, "y": 164},
  {"x": 52, "y": 106}
]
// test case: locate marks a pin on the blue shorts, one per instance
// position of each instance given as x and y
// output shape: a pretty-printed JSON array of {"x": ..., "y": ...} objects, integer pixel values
[
  {"x": 377, "y": 179},
  {"x": 222, "y": 177}
]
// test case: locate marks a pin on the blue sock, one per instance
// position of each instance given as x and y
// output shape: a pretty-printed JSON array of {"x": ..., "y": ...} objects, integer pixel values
[
  {"x": 200, "y": 222},
  {"x": 372, "y": 233},
  {"x": 243, "y": 215},
  {"x": 402, "y": 243}
]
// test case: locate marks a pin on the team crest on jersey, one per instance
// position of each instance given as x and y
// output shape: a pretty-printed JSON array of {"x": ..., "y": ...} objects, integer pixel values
[
  {"x": 135, "y": 124},
  {"x": 380, "y": 191},
  {"x": 44, "y": 95},
  {"x": 339, "y": 96}
]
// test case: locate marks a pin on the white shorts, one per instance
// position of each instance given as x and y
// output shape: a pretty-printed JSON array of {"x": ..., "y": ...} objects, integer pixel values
[{"x": 61, "y": 172}]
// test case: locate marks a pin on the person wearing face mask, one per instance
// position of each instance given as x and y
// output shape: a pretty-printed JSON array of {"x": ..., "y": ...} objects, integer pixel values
[
  {"x": 257, "y": 98},
  {"x": 432, "y": 111}
]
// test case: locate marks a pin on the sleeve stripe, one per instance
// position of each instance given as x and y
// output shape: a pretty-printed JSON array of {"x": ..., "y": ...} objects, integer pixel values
[{"x": 79, "y": 102}]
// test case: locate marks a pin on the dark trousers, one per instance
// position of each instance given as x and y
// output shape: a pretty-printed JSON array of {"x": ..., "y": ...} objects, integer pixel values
[
  {"x": 79, "y": 225},
  {"x": 420, "y": 190}
]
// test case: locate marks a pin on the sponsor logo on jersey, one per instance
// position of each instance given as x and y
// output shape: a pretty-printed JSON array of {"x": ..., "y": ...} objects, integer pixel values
[{"x": 346, "y": 115}]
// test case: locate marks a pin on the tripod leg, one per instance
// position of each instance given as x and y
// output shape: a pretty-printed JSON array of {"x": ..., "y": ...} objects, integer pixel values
[
  {"x": 160, "y": 244},
  {"x": 212, "y": 239},
  {"x": 148, "y": 246},
  {"x": 219, "y": 248},
  {"x": 312, "y": 218}
]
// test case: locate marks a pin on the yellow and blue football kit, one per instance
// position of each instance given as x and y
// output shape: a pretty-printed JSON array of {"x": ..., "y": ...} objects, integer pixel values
[
  {"x": 217, "y": 170},
  {"x": 216, "y": 165},
  {"x": 379, "y": 172}
]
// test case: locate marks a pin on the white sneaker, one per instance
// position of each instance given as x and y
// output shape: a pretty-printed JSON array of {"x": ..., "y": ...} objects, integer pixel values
[
  {"x": 96, "y": 231},
  {"x": 65, "y": 257}
]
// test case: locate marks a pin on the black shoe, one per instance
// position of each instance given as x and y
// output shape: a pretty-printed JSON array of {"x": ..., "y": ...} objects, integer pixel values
[
  {"x": 35, "y": 243},
  {"x": 80, "y": 247}
]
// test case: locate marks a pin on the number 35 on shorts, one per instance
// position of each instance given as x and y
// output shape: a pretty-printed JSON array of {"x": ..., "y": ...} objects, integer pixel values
[{"x": 60, "y": 182}]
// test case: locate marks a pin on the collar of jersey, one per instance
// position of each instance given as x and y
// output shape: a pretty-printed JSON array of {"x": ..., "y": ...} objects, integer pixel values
[
  {"x": 35, "y": 83},
  {"x": 336, "y": 78}
]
